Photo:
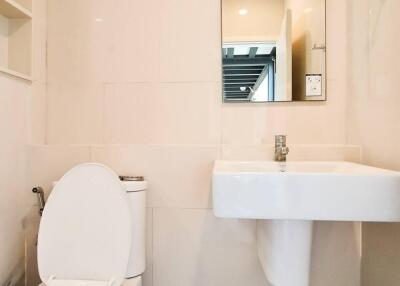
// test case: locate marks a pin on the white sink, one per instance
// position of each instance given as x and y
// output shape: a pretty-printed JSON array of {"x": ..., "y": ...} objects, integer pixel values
[
  {"x": 305, "y": 191},
  {"x": 286, "y": 198}
]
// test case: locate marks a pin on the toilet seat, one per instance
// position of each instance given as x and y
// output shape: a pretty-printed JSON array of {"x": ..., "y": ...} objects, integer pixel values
[{"x": 85, "y": 231}]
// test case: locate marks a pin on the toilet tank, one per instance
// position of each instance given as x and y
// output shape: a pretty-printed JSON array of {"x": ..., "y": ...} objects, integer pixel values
[{"x": 136, "y": 190}]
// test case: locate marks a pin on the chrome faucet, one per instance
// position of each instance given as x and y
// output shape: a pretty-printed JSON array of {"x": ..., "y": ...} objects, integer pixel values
[{"x": 281, "y": 150}]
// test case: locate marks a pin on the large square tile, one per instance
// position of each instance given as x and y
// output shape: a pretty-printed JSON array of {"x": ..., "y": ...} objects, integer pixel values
[
  {"x": 303, "y": 122},
  {"x": 75, "y": 113},
  {"x": 99, "y": 41},
  {"x": 128, "y": 113},
  {"x": 190, "y": 45},
  {"x": 193, "y": 247},
  {"x": 186, "y": 113},
  {"x": 70, "y": 44},
  {"x": 336, "y": 254},
  {"x": 126, "y": 38}
]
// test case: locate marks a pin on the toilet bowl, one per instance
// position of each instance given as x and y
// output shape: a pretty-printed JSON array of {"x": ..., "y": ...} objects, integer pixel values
[{"x": 92, "y": 231}]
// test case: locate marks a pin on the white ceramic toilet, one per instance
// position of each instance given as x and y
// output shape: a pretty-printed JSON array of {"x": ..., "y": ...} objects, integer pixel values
[{"x": 92, "y": 230}]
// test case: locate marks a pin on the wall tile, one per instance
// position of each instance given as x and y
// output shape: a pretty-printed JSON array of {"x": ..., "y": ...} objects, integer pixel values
[
  {"x": 304, "y": 123},
  {"x": 325, "y": 153},
  {"x": 103, "y": 42},
  {"x": 69, "y": 42},
  {"x": 162, "y": 114},
  {"x": 190, "y": 41},
  {"x": 380, "y": 262},
  {"x": 336, "y": 254},
  {"x": 336, "y": 39},
  {"x": 373, "y": 120},
  {"x": 75, "y": 114},
  {"x": 13, "y": 129},
  {"x": 193, "y": 247},
  {"x": 296, "y": 152},
  {"x": 126, "y": 38},
  {"x": 178, "y": 176},
  {"x": 37, "y": 114},
  {"x": 128, "y": 111},
  {"x": 248, "y": 152}
]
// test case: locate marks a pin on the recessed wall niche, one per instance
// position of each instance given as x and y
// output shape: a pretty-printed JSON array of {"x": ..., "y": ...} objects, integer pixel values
[{"x": 16, "y": 38}]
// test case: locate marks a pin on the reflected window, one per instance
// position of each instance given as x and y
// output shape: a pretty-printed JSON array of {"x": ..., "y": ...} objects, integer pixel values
[{"x": 249, "y": 71}]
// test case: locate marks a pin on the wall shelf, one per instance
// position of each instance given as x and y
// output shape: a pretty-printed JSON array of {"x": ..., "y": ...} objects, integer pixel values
[
  {"x": 15, "y": 74},
  {"x": 13, "y": 10},
  {"x": 16, "y": 38}
]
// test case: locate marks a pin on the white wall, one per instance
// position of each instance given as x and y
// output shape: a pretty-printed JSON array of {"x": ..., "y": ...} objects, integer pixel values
[
  {"x": 139, "y": 88},
  {"x": 22, "y": 115},
  {"x": 13, "y": 97},
  {"x": 373, "y": 119}
]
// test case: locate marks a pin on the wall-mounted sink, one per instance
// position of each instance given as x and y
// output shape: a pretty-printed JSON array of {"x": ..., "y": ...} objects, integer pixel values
[
  {"x": 287, "y": 197},
  {"x": 305, "y": 191}
]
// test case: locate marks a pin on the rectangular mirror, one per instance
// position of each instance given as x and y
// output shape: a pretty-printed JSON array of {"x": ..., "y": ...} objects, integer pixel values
[{"x": 273, "y": 50}]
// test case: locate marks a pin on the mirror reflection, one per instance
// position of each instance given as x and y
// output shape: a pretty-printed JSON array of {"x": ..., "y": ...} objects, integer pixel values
[{"x": 273, "y": 50}]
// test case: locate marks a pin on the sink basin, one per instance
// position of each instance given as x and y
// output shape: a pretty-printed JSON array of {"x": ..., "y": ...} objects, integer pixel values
[
  {"x": 336, "y": 191},
  {"x": 286, "y": 198}
]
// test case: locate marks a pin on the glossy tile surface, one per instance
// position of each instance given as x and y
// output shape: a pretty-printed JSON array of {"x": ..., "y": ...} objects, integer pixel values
[
  {"x": 126, "y": 74},
  {"x": 192, "y": 247},
  {"x": 373, "y": 119},
  {"x": 14, "y": 132},
  {"x": 176, "y": 113}
]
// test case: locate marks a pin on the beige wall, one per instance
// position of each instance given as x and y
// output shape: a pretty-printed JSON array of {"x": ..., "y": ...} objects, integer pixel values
[
  {"x": 13, "y": 97},
  {"x": 139, "y": 89},
  {"x": 262, "y": 23},
  {"x": 373, "y": 117},
  {"x": 306, "y": 33},
  {"x": 22, "y": 106},
  {"x": 111, "y": 82}
]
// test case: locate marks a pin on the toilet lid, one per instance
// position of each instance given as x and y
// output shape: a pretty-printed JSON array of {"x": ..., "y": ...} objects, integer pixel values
[{"x": 85, "y": 229}]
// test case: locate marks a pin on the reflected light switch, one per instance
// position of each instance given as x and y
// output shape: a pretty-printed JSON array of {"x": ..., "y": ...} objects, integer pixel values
[{"x": 313, "y": 85}]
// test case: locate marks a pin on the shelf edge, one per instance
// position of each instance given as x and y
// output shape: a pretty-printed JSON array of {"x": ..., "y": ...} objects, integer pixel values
[{"x": 15, "y": 74}]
